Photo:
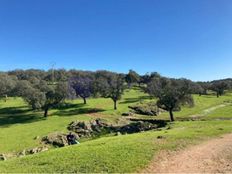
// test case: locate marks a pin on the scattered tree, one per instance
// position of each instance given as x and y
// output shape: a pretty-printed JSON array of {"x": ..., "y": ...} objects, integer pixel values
[
  {"x": 54, "y": 97},
  {"x": 219, "y": 87},
  {"x": 7, "y": 84},
  {"x": 132, "y": 77},
  {"x": 205, "y": 86},
  {"x": 197, "y": 89},
  {"x": 83, "y": 86},
  {"x": 45, "y": 97},
  {"x": 110, "y": 85},
  {"x": 171, "y": 93}
]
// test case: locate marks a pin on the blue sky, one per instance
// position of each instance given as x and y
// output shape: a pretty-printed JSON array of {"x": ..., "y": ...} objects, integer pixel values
[{"x": 177, "y": 38}]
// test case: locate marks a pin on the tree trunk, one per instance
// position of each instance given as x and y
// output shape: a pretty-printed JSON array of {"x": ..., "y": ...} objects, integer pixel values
[
  {"x": 115, "y": 104},
  {"x": 6, "y": 97},
  {"x": 45, "y": 112},
  {"x": 171, "y": 115},
  {"x": 217, "y": 94},
  {"x": 205, "y": 91},
  {"x": 84, "y": 100}
]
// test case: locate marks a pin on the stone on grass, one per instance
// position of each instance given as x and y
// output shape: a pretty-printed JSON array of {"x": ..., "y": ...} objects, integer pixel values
[
  {"x": 139, "y": 126},
  {"x": 149, "y": 109},
  {"x": 37, "y": 150},
  {"x": 89, "y": 129},
  {"x": 2, "y": 157},
  {"x": 127, "y": 114},
  {"x": 160, "y": 137},
  {"x": 56, "y": 139}
]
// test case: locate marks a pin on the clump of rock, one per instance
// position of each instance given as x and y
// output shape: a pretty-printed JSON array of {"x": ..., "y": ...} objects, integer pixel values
[
  {"x": 149, "y": 109},
  {"x": 127, "y": 114},
  {"x": 89, "y": 129},
  {"x": 34, "y": 150},
  {"x": 2, "y": 157},
  {"x": 99, "y": 127},
  {"x": 136, "y": 127},
  {"x": 57, "y": 139},
  {"x": 23, "y": 153}
]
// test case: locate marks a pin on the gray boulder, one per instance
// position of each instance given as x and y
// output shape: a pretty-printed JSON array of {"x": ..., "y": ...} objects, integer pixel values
[
  {"x": 88, "y": 129},
  {"x": 36, "y": 150},
  {"x": 127, "y": 114},
  {"x": 83, "y": 129},
  {"x": 135, "y": 127},
  {"x": 149, "y": 109},
  {"x": 2, "y": 157},
  {"x": 55, "y": 139}
]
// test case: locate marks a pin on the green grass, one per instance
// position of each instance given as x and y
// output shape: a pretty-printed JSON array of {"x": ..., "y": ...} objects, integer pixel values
[
  {"x": 19, "y": 126},
  {"x": 221, "y": 113},
  {"x": 16, "y": 119},
  {"x": 127, "y": 153},
  {"x": 201, "y": 103}
]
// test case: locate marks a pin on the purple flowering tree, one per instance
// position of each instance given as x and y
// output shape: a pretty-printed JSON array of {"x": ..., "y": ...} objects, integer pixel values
[{"x": 83, "y": 86}]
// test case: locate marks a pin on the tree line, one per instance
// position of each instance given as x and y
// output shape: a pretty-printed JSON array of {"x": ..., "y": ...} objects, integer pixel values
[{"x": 43, "y": 90}]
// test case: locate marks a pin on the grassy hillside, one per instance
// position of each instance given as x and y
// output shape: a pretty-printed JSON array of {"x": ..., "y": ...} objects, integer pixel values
[
  {"x": 127, "y": 153},
  {"x": 202, "y": 103},
  {"x": 19, "y": 126}
]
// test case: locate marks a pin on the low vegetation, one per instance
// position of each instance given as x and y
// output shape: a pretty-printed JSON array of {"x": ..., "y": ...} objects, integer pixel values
[
  {"x": 127, "y": 153},
  {"x": 77, "y": 96}
]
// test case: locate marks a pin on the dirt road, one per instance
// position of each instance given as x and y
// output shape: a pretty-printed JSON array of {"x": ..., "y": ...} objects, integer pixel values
[{"x": 213, "y": 156}]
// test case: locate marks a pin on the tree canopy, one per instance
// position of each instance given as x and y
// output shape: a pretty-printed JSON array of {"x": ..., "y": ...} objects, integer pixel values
[
  {"x": 171, "y": 93},
  {"x": 110, "y": 85}
]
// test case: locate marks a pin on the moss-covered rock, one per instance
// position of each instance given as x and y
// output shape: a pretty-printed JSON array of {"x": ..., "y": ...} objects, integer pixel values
[{"x": 150, "y": 109}]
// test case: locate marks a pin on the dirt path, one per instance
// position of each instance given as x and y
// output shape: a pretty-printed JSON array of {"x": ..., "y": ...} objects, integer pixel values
[
  {"x": 209, "y": 110},
  {"x": 213, "y": 156}
]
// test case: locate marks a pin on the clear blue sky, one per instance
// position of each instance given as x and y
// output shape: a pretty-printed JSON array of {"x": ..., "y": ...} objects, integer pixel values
[{"x": 177, "y": 38}]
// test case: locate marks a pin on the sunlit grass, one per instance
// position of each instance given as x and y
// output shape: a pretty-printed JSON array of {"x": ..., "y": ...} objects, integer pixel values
[
  {"x": 127, "y": 153},
  {"x": 19, "y": 126}
]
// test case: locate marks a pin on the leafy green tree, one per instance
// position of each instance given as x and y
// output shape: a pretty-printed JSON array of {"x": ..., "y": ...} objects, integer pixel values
[
  {"x": 132, "y": 77},
  {"x": 28, "y": 74},
  {"x": 145, "y": 79},
  {"x": 43, "y": 97},
  {"x": 53, "y": 98},
  {"x": 219, "y": 87},
  {"x": 110, "y": 85},
  {"x": 171, "y": 93},
  {"x": 21, "y": 87},
  {"x": 197, "y": 89},
  {"x": 7, "y": 84},
  {"x": 83, "y": 86},
  {"x": 205, "y": 86},
  {"x": 34, "y": 97}
]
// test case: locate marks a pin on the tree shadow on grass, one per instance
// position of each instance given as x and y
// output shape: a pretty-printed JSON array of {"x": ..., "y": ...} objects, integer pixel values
[
  {"x": 78, "y": 111},
  {"x": 17, "y": 115},
  {"x": 66, "y": 106},
  {"x": 134, "y": 100},
  {"x": 70, "y": 109}
]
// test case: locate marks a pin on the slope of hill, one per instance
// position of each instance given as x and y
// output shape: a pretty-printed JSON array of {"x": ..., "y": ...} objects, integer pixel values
[{"x": 127, "y": 153}]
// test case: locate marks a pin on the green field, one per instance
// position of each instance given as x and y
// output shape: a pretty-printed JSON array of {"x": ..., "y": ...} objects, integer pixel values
[{"x": 127, "y": 153}]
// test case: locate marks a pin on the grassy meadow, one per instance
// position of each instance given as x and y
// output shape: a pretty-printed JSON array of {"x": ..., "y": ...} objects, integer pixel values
[{"x": 126, "y": 153}]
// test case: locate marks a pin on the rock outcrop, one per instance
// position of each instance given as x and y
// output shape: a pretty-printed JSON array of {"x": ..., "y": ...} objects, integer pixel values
[
  {"x": 89, "y": 129},
  {"x": 149, "y": 109},
  {"x": 2, "y": 157},
  {"x": 23, "y": 153},
  {"x": 99, "y": 127},
  {"x": 56, "y": 139}
]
